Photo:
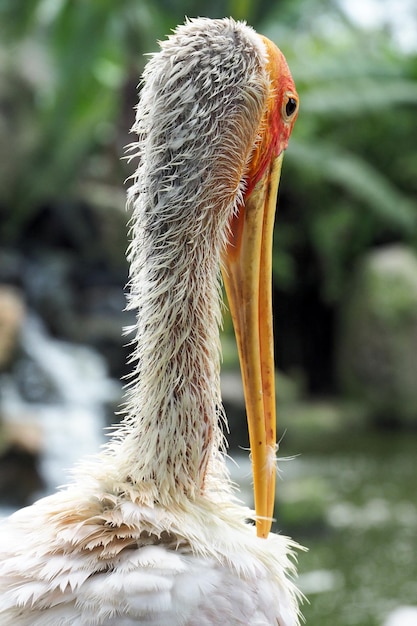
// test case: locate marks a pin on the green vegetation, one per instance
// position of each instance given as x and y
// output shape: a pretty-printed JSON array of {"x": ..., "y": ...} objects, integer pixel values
[
  {"x": 67, "y": 76},
  {"x": 69, "y": 71},
  {"x": 350, "y": 499},
  {"x": 349, "y": 180}
]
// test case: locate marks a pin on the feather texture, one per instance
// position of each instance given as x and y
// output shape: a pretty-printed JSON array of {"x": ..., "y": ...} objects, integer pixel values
[
  {"x": 150, "y": 532},
  {"x": 86, "y": 558}
]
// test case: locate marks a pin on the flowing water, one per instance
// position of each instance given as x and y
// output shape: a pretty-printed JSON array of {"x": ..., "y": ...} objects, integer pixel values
[{"x": 62, "y": 390}]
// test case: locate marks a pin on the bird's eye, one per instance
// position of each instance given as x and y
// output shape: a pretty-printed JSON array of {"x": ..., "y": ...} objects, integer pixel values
[{"x": 290, "y": 107}]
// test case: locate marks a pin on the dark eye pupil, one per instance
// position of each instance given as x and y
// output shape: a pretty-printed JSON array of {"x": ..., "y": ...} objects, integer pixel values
[{"x": 291, "y": 106}]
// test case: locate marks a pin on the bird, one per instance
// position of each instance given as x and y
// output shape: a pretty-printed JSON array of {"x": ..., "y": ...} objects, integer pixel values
[{"x": 151, "y": 529}]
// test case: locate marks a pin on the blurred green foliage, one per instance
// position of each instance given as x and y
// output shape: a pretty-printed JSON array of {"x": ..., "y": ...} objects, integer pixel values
[
  {"x": 350, "y": 168},
  {"x": 68, "y": 76}
]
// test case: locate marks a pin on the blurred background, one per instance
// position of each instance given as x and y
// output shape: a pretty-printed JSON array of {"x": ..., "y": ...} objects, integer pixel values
[{"x": 345, "y": 271}]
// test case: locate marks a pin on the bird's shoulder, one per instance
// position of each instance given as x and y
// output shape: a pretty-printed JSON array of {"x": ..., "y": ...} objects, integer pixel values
[{"x": 60, "y": 565}]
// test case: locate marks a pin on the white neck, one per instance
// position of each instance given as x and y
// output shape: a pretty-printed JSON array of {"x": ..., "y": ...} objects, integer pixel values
[
  {"x": 174, "y": 401},
  {"x": 197, "y": 128}
]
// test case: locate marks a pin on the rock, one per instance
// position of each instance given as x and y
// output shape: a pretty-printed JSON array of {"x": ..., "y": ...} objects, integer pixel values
[
  {"x": 24, "y": 435},
  {"x": 377, "y": 348},
  {"x": 12, "y": 313},
  {"x": 19, "y": 468},
  {"x": 20, "y": 478}
]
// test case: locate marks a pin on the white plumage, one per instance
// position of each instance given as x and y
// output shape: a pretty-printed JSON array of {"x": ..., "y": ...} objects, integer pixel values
[
  {"x": 84, "y": 557},
  {"x": 150, "y": 532}
]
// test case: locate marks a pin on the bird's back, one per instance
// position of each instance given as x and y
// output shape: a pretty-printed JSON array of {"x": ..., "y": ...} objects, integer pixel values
[{"x": 97, "y": 562}]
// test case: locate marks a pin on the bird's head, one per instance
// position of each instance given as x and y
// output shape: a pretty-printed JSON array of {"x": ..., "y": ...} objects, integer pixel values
[
  {"x": 248, "y": 278},
  {"x": 279, "y": 116}
]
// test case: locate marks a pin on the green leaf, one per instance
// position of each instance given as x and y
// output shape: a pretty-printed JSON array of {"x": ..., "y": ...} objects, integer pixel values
[
  {"x": 358, "y": 178},
  {"x": 358, "y": 97}
]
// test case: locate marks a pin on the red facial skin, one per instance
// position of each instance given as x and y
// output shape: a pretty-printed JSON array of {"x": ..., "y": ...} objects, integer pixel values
[
  {"x": 276, "y": 125},
  {"x": 276, "y": 128}
]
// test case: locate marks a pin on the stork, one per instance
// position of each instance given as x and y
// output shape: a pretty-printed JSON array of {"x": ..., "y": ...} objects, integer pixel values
[{"x": 151, "y": 531}]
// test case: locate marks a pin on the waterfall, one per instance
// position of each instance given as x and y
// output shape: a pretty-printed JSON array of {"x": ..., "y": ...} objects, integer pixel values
[{"x": 64, "y": 390}]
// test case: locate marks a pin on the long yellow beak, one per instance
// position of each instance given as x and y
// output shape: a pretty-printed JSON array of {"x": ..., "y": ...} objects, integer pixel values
[{"x": 247, "y": 276}]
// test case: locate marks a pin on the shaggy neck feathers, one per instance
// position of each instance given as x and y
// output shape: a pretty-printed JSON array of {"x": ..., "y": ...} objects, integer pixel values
[{"x": 197, "y": 122}]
